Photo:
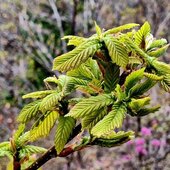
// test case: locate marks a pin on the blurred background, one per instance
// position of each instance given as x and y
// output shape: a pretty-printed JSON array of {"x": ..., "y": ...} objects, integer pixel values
[{"x": 30, "y": 38}]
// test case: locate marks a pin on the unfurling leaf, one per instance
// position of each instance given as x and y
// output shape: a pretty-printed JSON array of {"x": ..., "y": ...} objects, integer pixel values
[
  {"x": 30, "y": 149},
  {"x": 98, "y": 30},
  {"x": 141, "y": 34},
  {"x": 74, "y": 40},
  {"x": 50, "y": 101},
  {"x": 113, "y": 120},
  {"x": 137, "y": 104},
  {"x": 159, "y": 52},
  {"x": 157, "y": 44},
  {"x": 90, "y": 121},
  {"x": 133, "y": 78},
  {"x": 43, "y": 129},
  {"x": 90, "y": 105},
  {"x": 141, "y": 88},
  {"x": 29, "y": 111},
  {"x": 63, "y": 132},
  {"x": 116, "y": 50},
  {"x": 111, "y": 77},
  {"x": 146, "y": 111},
  {"x": 38, "y": 94},
  {"x": 115, "y": 140},
  {"x": 77, "y": 56},
  {"x": 121, "y": 28},
  {"x": 153, "y": 76}
]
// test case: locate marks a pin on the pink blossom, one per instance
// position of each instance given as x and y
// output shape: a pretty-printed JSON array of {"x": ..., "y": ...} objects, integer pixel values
[
  {"x": 156, "y": 142},
  {"x": 140, "y": 141},
  {"x": 140, "y": 150},
  {"x": 146, "y": 131}
]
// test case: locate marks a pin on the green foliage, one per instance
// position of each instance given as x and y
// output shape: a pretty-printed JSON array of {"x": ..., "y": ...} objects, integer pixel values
[
  {"x": 74, "y": 40},
  {"x": 141, "y": 34},
  {"x": 110, "y": 71},
  {"x": 50, "y": 101},
  {"x": 90, "y": 121},
  {"x": 44, "y": 127},
  {"x": 88, "y": 106},
  {"x": 121, "y": 28},
  {"x": 111, "y": 77},
  {"x": 116, "y": 50},
  {"x": 115, "y": 139},
  {"x": 39, "y": 94},
  {"x": 133, "y": 78},
  {"x": 29, "y": 111},
  {"x": 113, "y": 120},
  {"x": 77, "y": 56},
  {"x": 63, "y": 132}
]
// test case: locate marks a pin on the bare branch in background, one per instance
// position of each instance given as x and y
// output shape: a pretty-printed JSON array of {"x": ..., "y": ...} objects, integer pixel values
[
  {"x": 163, "y": 24},
  {"x": 59, "y": 23}
]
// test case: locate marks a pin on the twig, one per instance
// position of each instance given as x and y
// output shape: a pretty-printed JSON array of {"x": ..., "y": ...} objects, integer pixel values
[
  {"x": 59, "y": 23},
  {"x": 162, "y": 25},
  {"x": 51, "y": 153},
  {"x": 74, "y": 16}
]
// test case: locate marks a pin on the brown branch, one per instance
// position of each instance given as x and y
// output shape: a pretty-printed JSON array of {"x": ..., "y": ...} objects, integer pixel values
[
  {"x": 73, "y": 26},
  {"x": 51, "y": 153}
]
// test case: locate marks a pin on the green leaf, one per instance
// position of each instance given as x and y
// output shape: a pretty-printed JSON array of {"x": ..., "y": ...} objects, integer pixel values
[
  {"x": 141, "y": 34},
  {"x": 158, "y": 52},
  {"x": 51, "y": 80},
  {"x": 98, "y": 29},
  {"x": 161, "y": 67},
  {"x": 43, "y": 129},
  {"x": 38, "y": 94},
  {"x": 50, "y": 101},
  {"x": 153, "y": 76},
  {"x": 6, "y": 153},
  {"x": 4, "y": 145},
  {"x": 157, "y": 43},
  {"x": 77, "y": 56},
  {"x": 115, "y": 140},
  {"x": 166, "y": 85},
  {"x": 121, "y": 28},
  {"x": 133, "y": 78},
  {"x": 87, "y": 106},
  {"x": 86, "y": 71},
  {"x": 146, "y": 111},
  {"x": 111, "y": 77},
  {"x": 29, "y": 111},
  {"x": 74, "y": 40},
  {"x": 120, "y": 95},
  {"x": 63, "y": 132},
  {"x": 19, "y": 131},
  {"x": 137, "y": 104},
  {"x": 117, "y": 51},
  {"x": 140, "y": 89},
  {"x": 113, "y": 120},
  {"x": 90, "y": 121},
  {"x": 24, "y": 138},
  {"x": 30, "y": 149}
]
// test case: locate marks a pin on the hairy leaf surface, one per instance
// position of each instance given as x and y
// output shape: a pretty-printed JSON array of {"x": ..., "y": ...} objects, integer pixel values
[
  {"x": 63, "y": 132},
  {"x": 117, "y": 51},
  {"x": 113, "y": 120},
  {"x": 133, "y": 78},
  {"x": 43, "y": 129},
  {"x": 29, "y": 111},
  {"x": 77, "y": 56},
  {"x": 89, "y": 121},
  {"x": 89, "y": 105},
  {"x": 121, "y": 28}
]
